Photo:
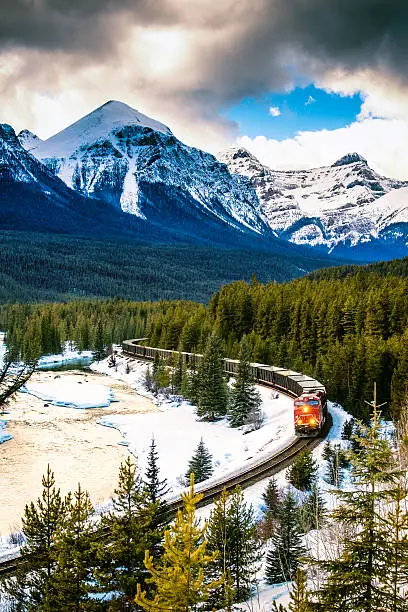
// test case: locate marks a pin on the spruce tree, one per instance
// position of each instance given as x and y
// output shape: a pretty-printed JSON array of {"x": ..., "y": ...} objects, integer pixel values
[
  {"x": 303, "y": 471},
  {"x": 354, "y": 580},
  {"x": 200, "y": 464},
  {"x": 283, "y": 558},
  {"x": 156, "y": 489},
  {"x": 272, "y": 503},
  {"x": 299, "y": 595},
  {"x": 180, "y": 577},
  {"x": 313, "y": 511},
  {"x": 99, "y": 342},
  {"x": 212, "y": 387},
  {"x": 177, "y": 374},
  {"x": 233, "y": 532},
  {"x": 131, "y": 531},
  {"x": 73, "y": 550},
  {"x": 395, "y": 549},
  {"x": 33, "y": 585},
  {"x": 245, "y": 400}
]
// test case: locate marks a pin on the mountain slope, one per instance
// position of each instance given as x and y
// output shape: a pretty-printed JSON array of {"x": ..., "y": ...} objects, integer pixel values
[
  {"x": 334, "y": 207},
  {"x": 135, "y": 163}
]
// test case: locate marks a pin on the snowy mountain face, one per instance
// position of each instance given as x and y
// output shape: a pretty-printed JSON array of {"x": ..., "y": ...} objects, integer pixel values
[
  {"x": 29, "y": 140},
  {"x": 340, "y": 206},
  {"x": 135, "y": 163}
]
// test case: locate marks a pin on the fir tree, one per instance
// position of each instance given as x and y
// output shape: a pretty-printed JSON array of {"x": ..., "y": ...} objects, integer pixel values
[
  {"x": 156, "y": 489},
  {"x": 213, "y": 393},
  {"x": 99, "y": 342},
  {"x": 245, "y": 400},
  {"x": 180, "y": 577},
  {"x": 200, "y": 464},
  {"x": 75, "y": 558},
  {"x": 33, "y": 586},
  {"x": 131, "y": 531},
  {"x": 354, "y": 580},
  {"x": 336, "y": 463},
  {"x": 313, "y": 511},
  {"x": 347, "y": 430},
  {"x": 177, "y": 374},
  {"x": 299, "y": 595},
  {"x": 282, "y": 560},
  {"x": 303, "y": 471},
  {"x": 272, "y": 504},
  {"x": 395, "y": 578},
  {"x": 233, "y": 532}
]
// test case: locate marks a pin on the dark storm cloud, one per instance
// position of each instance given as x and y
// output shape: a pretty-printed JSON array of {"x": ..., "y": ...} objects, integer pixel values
[
  {"x": 78, "y": 26},
  {"x": 240, "y": 47}
]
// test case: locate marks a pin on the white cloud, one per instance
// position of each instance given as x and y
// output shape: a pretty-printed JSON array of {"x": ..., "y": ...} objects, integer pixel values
[
  {"x": 274, "y": 111},
  {"x": 310, "y": 100},
  {"x": 383, "y": 142}
]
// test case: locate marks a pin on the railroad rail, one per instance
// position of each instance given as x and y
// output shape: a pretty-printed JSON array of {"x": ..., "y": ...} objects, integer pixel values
[{"x": 248, "y": 475}]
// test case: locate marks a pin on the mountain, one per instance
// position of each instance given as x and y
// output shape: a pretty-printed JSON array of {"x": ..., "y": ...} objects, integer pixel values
[
  {"x": 29, "y": 140},
  {"x": 135, "y": 163},
  {"x": 333, "y": 207}
]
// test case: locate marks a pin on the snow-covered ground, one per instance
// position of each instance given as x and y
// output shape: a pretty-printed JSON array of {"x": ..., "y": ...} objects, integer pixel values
[
  {"x": 68, "y": 355},
  {"x": 177, "y": 430},
  {"x": 71, "y": 394}
]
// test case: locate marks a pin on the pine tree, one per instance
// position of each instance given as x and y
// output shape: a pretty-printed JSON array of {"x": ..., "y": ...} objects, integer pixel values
[
  {"x": 299, "y": 596},
  {"x": 99, "y": 342},
  {"x": 395, "y": 579},
  {"x": 177, "y": 374},
  {"x": 200, "y": 464},
  {"x": 354, "y": 580},
  {"x": 219, "y": 531},
  {"x": 313, "y": 511},
  {"x": 131, "y": 532},
  {"x": 347, "y": 430},
  {"x": 272, "y": 504},
  {"x": 33, "y": 586},
  {"x": 245, "y": 400},
  {"x": 73, "y": 550},
  {"x": 282, "y": 560},
  {"x": 180, "y": 578},
  {"x": 303, "y": 471},
  {"x": 157, "y": 489},
  {"x": 233, "y": 532},
  {"x": 336, "y": 463},
  {"x": 212, "y": 387}
]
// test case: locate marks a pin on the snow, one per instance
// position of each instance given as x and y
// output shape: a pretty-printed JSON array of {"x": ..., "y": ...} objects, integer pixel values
[
  {"x": 177, "y": 431},
  {"x": 97, "y": 125},
  {"x": 71, "y": 395}
]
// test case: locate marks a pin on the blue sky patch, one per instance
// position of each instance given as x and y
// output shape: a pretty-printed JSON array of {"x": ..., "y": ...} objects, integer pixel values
[{"x": 282, "y": 115}]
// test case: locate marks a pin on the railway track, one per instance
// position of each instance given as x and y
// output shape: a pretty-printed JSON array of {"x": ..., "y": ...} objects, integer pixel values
[{"x": 256, "y": 471}]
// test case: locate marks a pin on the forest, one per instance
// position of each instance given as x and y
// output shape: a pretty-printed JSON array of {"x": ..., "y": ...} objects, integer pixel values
[
  {"x": 40, "y": 267},
  {"x": 347, "y": 328}
]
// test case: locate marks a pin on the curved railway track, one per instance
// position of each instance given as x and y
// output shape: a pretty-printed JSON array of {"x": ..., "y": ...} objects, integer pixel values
[{"x": 257, "y": 470}]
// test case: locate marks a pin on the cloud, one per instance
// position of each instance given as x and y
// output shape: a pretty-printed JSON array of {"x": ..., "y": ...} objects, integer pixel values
[
  {"x": 383, "y": 142},
  {"x": 186, "y": 61},
  {"x": 310, "y": 100},
  {"x": 274, "y": 111}
]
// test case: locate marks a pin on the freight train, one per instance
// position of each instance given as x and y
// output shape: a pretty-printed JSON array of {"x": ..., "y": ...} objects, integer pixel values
[{"x": 310, "y": 398}]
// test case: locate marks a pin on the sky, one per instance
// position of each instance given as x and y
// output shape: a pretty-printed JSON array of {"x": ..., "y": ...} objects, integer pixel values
[{"x": 298, "y": 83}]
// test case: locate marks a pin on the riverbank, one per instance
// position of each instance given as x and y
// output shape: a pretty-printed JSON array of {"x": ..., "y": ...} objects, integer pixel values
[{"x": 69, "y": 439}]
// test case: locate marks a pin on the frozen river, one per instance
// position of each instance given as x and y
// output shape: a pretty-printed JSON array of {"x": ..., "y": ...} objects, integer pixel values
[{"x": 69, "y": 439}]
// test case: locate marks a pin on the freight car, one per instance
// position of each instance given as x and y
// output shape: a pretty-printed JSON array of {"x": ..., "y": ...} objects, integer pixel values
[{"x": 310, "y": 398}]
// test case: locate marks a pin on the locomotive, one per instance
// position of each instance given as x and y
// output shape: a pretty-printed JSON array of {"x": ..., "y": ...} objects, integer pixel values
[{"x": 310, "y": 398}]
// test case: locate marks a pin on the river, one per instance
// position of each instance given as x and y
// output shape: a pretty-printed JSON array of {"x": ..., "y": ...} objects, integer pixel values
[{"x": 69, "y": 439}]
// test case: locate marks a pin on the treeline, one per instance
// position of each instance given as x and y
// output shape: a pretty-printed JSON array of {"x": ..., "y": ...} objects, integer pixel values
[{"x": 347, "y": 332}]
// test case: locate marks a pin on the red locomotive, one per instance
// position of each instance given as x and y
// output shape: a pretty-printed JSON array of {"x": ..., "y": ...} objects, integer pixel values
[{"x": 310, "y": 412}]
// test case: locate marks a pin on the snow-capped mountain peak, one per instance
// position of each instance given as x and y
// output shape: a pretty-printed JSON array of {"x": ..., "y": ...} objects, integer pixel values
[
  {"x": 350, "y": 158},
  {"x": 29, "y": 140},
  {"x": 97, "y": 126},
  {"x": 345, "y": 204}
]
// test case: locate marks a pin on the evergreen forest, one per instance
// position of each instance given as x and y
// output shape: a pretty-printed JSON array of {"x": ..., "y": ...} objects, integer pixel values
[{"x": 346, "y": 327}]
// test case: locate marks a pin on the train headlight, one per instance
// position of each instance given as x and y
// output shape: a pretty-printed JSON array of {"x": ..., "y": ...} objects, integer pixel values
[{"x": 305, "y": 409}]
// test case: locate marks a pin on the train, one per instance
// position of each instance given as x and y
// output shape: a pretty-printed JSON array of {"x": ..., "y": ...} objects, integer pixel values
[{"x": 310, "y": 397}]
